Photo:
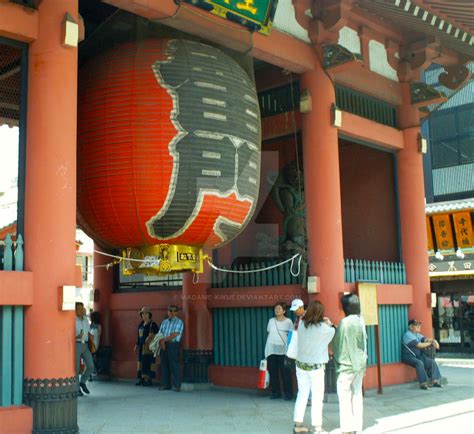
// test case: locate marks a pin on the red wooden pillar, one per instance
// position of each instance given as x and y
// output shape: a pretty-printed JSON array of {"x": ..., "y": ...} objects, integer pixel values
[
  {"x": 50, "y": 219},
  {"x": 197, "y": 317},
  {"x": 103, "y": 280},
  {"x": 322, "y": 190},
  {"x": 411, "y": 194}
]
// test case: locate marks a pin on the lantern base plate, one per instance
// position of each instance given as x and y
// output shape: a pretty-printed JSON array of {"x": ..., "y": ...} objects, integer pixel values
[{"x": 162, "y": 259}]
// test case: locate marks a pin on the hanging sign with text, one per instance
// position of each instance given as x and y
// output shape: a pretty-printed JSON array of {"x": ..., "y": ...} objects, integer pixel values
[
  {"x": 256, "y": 15},
  {"x": 463, "y": 226},
  {"x": 368, "y": 302},
  {"x": 443, "y": 231}
]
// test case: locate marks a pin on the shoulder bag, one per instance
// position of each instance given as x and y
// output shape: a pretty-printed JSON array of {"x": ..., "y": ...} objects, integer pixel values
[{"x": 287, "y": 361}]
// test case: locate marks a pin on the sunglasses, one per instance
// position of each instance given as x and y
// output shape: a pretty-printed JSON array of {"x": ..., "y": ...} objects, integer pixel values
[{"x": 172, "y": 310}]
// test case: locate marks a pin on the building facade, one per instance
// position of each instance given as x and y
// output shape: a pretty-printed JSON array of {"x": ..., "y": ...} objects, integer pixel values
[
  {"x": 449, "y": 165},
  {"x": 341, "y": 182}
]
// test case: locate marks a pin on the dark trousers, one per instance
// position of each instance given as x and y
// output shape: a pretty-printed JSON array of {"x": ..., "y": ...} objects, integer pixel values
[
  {"x": 276, "y": 367},
  {"x": 426, "y": 367},
  {"x": 170, "y": 369},
  {"x": 145, "y": 365}
]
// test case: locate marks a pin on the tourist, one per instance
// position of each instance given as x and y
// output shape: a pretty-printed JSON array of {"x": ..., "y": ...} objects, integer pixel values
[
  {"x": 275, "y": 352},
  {"x": 95, "y": 332},
  {"x": 315, "y": 332},
  {"x": 350, "y": 357},
  {"x": 297, "y": 306},
  {"x": 172, "y": 331},
  {"x": 414, "y": 347},
  {"x": 147, "y": 329},
  {"x": 82, "y": 348}
]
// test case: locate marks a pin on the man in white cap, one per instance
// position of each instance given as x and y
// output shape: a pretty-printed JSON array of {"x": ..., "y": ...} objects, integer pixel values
[{"x": 297, "y": 306}]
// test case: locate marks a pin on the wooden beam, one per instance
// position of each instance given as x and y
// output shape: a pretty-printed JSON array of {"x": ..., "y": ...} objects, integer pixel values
[
  {"x": 359, "y": 128},
  {"x": 18, "y": 23},
  {"x": 278, "y": 48}
]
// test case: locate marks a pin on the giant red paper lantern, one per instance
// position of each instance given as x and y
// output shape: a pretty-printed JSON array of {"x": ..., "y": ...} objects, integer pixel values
[{"x": 168, "y": 145}]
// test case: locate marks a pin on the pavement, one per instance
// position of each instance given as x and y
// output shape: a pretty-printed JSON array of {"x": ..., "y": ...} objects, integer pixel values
[{"x": 122, "y": 407}]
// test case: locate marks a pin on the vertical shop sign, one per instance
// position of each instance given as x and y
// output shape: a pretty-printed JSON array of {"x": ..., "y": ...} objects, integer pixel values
[
  {"x": 463, "y": 228},
  {"x": 443, "y": 232}
]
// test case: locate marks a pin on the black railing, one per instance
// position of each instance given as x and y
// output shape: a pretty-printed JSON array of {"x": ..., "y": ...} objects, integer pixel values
[
  {"x": 351, "y": 101},
  {"x": 279, "y": 100},
  {"x": 286, "y": 98},
  {"x": 196, "y": 365}
]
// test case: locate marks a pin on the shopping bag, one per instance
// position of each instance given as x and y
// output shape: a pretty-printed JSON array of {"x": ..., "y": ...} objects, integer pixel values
[
  {"x": 263, "y": 375},
  {"x": 292, "y": 350}
]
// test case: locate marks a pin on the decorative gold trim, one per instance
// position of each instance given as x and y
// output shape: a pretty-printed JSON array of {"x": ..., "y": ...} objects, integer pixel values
[
  {"x": 451, "y": 273},
  {"x": 162, "y": 259}
]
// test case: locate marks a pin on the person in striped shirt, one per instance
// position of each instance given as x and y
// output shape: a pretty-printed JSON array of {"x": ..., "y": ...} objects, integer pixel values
[{"x": 172, "y": 331}]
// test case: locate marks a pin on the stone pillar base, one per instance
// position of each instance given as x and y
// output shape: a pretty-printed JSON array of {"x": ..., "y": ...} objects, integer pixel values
[
  {"x": 196, "y": 365},
  {"x": 54, "y": 404}
]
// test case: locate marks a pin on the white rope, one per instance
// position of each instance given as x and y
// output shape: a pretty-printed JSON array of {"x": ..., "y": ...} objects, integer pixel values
[
  {"x": 120, "y": 257},
  {"x": 261, "y": 269},
  {"x": 195, "y": 278},
  {"x": 292, "y": 260},
  {"x": 299, "y": 267},
  {"x": 89, "y": 268}
]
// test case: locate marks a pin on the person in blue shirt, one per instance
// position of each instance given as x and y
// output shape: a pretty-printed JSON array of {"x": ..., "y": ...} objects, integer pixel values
[
  {"x": 414, "y": 348},
  {"x": 172, "y": 331}
]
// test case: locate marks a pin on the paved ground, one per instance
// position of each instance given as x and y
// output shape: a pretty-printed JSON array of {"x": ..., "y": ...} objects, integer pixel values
[{"x": 121, "y": 407}]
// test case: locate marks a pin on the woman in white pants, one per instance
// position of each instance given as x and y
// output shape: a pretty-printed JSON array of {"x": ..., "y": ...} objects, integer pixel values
[{"x": 315, "y": 332}]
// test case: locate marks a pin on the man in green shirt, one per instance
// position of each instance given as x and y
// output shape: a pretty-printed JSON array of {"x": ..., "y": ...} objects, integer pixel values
[{"x": 350, "y": 354}]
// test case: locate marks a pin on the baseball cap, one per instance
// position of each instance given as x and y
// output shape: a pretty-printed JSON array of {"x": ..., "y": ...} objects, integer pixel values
[
  {"x": 296, "y": 304},
  {"x": 414, "y": 322}
]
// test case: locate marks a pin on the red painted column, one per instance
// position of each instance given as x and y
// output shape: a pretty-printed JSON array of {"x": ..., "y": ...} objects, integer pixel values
[
  {"x": 50, "y": 205},
  {"x": 322, "y": 191},
  {"x": 411, "y": 194},
  {"x": 103, "y": 282},
  {"x": 197, "y": 317},
  {"x": 50, "y": 212}
]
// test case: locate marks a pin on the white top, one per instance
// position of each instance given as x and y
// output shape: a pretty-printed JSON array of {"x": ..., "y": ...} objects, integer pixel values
[
  {"x": 95, "y": 331},
  {"x": 313, "y": 343},
  {"x": 82, "y": 324},
  {"x": 277, "y": 336}
]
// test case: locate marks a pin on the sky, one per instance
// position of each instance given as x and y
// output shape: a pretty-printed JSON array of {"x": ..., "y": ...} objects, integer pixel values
[{"x": 8, "y": 174}]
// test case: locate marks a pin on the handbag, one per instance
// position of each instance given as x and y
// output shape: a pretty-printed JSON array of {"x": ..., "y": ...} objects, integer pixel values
[
  {"x": 146, "y": 345},
  {"x": 91, "y": 343},
  {"x": 292, "y": 350},
  {"x": 288, "y": 363}
]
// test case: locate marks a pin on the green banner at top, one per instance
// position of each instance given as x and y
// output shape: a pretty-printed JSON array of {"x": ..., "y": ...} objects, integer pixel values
[{"x": 257, "y": 15}]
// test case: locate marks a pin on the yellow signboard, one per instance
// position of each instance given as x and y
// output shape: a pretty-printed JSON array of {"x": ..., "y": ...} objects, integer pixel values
[
  {"x": 463, "y": 226},
  {"x": 368, "y": 302},
  {"x": 443, "y": 231}
]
